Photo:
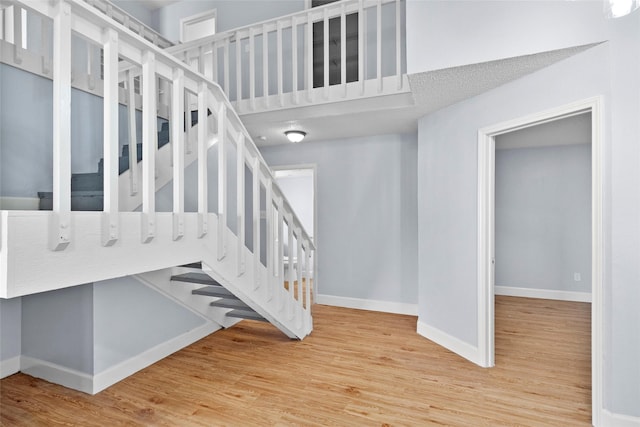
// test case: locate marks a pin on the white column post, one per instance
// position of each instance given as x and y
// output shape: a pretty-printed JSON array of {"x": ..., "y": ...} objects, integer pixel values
[
  {"x": 325, "y": 38},
  {"x": 280, "y": 256},
  {"x": 265, "y": 65},
  {"x": 294, "y": 60},
  {"x": 133, "y": 141},
  {"x": 149, "y": 146},
  {"x": 110, "y": 218},
  {"x": 379, "y": 45},
  {"x": 60, "y": 224},
  {"x": 177, "y": 139},
  {"x": 279, "y": 58},
  {"x": 269, "y": 244},
  {"x": 222, "y": 181},
  {"x": 256, "y": 222},
  {"x": 252, "y": 69},
  {"x": 309, "y": 62},
  {"x": 361, "y": 34},
  {"x": 240, "y": 194},
  {"x": 203, "y": 145},
  {"x": 343, "y": 51},
  {"x": 398, "y": 44}
]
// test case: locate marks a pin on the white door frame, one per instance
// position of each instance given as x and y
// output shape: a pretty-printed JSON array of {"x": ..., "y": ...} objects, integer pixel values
[
  {"x": 313, "y": 167},
  {"x": 486, "y": 234}
]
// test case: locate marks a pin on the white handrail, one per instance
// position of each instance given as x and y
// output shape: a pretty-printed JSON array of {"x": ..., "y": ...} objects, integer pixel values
[
  {"x": 120, "y": 44},
  {"x": 378, "y": 58}
]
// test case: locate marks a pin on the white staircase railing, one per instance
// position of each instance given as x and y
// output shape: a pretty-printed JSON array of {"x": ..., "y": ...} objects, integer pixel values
[
  {"x": 288, "y": 62},
  {"x": 113, "y": 242}
]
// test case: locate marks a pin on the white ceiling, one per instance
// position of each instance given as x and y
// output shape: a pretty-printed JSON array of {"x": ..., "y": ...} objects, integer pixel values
[{"x": 430, "y": 91}]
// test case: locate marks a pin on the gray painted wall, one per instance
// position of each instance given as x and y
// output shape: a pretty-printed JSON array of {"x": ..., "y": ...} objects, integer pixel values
[
  {"x": 543, "y": 217},
  {"x": 57, "y": 327},
  {"x": 367, "y": 214},
  {"x": 26, "y": 143},
  {"x": 137, "y": 10},
  {"x": 10, "y": 328},
  {"x": 447, "y": 183},
  {"x": 130, "y": 318}
]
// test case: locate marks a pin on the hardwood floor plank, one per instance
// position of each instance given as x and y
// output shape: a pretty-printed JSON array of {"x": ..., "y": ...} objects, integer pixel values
[{"x": 356, "y": 368}]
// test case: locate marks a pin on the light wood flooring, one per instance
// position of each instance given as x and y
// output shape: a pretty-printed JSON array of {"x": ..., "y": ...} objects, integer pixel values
[{"x": 357, "y": 368}]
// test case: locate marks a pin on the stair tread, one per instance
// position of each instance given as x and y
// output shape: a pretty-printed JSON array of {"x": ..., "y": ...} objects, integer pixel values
[
  {"x": 214, "y": 291},
  {"x": 245, "y": 314},
  {"x": 201, "y": 278},
  {"x": 193, "y": 265},
  {"x": 230, "y": 303}
]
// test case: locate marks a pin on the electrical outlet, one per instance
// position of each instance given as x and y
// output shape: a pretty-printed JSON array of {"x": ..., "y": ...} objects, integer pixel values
[{"x": 577, "y": 277}]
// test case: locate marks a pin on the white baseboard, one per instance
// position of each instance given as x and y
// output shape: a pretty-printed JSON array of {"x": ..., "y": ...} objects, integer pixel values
[
  {"x": 543, "y": 294},
  {"x": 609, "y": 419},
  {"x": 128, "y": 367},
  {"x": 9, "y": 366},
  {"x": 92, "y": 384},
  {"x": 368, "y": 304},
  {"x": 57, "y": 374},
  {"x": 449, "y": 342},
  {"x": 19, "y": 203}
]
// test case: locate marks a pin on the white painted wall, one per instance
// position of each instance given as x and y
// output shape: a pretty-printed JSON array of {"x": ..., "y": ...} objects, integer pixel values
[
  {"x": 57, "y": 327},
  {"x": 27, "y": 143},
  {"x": 366, "y": 214},
  {"x": 543, "y": 217},
  {"x": 443, "y": 34},
  {"x": 447, "y": 184}
]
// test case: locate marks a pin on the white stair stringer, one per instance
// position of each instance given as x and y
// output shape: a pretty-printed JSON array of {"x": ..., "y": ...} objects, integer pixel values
[{"x": 160, "y": 280}]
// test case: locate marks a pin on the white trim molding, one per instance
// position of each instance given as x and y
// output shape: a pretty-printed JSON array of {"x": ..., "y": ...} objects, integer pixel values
[
  {"x": 369, "y": 304},
  {"x": 57, "y": 374},
  {"x": 609, "y": 419},
  {"x": 449, "y": 342},
  {"x": 486, "y": 230},
  {"x": 9, "y": 366},
  {"x": 553, "y": 294},
  {"x": 148, "y": 357}
]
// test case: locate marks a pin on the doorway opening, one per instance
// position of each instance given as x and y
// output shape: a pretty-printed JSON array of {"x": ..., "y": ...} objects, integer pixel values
[
  {"x": 486, "y": 233},
  {"x": 298, "y": 184}
]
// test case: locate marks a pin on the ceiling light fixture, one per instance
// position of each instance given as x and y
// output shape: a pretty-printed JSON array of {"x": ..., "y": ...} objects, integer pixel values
[
  {"x": 295, "y": 136},
  {"x": 619, "y": 8}
]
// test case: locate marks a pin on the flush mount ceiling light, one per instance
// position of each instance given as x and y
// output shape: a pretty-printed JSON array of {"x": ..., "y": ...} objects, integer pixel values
[
  {"x": 295, "y": 136},
  {"x": 619, "y": 8}
]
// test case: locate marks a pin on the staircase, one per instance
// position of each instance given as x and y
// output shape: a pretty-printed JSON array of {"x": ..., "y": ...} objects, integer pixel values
[
  {"x": 87, "y": 188},
  {"x": 221, "y": 297},
  {"x": 104, "y": 225}
]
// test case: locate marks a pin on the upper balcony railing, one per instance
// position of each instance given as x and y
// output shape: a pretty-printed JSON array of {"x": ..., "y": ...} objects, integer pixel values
[{"x": 290, "y": 61}]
